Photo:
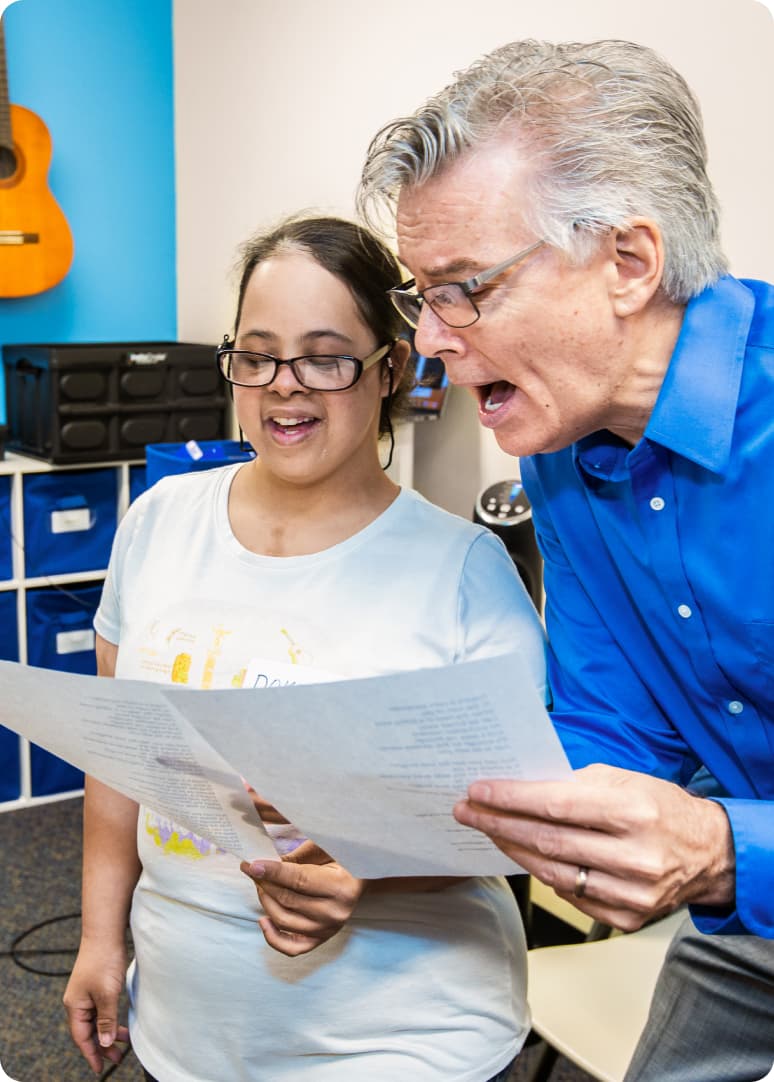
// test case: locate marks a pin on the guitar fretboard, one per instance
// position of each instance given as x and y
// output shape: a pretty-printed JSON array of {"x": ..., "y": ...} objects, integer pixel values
[{"x": 6, "y": 139}]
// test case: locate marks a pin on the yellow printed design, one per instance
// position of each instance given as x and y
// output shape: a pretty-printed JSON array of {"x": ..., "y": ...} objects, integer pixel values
[
  {"x": 211, "y": 660},
  {"x": 208, "y": 645},
  {"x": 181, "y": 669},
  {"x": 174, "y": 839},
  {"x": 294, "y": 650}
]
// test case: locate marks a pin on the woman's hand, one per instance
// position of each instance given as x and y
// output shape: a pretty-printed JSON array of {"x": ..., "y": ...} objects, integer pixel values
[
  {"x": 307, "y": 898},
  {"x": 266, "y": 811},
  {"x": 91, "y": 1000}
]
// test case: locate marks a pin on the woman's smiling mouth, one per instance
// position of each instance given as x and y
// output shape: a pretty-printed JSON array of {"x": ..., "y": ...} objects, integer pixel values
[{"x": 292, "y": 429}]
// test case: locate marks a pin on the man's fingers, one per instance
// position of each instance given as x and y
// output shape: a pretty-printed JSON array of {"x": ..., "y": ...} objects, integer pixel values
[
  {"x": 658, "y": 845},
  {"x": 623, "y": 918},
  {"x": 597, "y": 796},
  {"x": 620, "y": 900},
  {"x": 547, "y": 843}
]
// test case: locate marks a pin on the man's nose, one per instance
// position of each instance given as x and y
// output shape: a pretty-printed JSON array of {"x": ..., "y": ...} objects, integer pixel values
[{"x": 433, "y": 337}]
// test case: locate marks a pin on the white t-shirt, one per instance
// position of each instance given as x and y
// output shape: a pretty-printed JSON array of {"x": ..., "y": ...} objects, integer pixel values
[{"x": 424, "y": 986}]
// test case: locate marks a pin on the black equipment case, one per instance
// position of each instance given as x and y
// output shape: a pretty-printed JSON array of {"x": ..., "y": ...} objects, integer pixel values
[{"x": 103, "y": 402}]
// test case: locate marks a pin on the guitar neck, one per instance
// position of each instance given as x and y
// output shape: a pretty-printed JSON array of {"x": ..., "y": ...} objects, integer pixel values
[{"x": 6, "y": 139}]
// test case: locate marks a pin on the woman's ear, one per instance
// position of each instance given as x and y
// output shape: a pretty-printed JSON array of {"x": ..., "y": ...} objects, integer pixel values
[
  {"x": 395, "y": 362},
  {"x": 638, "y": 266}
]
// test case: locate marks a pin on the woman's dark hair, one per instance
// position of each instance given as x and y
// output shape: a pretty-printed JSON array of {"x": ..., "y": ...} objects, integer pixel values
[{"x": 358, "y": 259}]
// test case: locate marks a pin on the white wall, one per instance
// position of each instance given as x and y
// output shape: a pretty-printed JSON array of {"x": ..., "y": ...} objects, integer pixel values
[{"x": 277, "y": 100}]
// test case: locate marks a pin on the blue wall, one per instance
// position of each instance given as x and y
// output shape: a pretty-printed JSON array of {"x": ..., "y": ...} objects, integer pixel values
[{"x": 99, "y": 74}]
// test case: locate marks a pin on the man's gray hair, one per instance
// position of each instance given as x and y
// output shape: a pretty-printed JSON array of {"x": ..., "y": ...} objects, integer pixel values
[{"x": 610, "y": 132}]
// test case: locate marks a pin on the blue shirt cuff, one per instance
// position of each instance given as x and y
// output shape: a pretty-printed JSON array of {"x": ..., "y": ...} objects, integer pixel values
[{"x": 752, "y": 827}]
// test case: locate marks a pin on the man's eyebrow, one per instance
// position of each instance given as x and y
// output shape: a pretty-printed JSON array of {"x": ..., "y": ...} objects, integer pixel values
[{"x": 454, "y": 270}]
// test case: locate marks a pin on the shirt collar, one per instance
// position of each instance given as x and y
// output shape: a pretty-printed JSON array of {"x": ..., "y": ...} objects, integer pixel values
[{"x": 696, "y": 406}]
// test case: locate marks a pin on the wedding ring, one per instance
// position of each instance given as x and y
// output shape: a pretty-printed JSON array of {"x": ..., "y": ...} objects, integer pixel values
[{"x": 580, "y": 882}]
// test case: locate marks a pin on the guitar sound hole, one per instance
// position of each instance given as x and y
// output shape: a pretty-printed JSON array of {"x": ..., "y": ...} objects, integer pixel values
[{"x": 7, "y": 163}]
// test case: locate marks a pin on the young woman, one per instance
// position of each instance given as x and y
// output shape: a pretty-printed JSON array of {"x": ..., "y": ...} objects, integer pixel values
[{"x": 307, "y": 556}]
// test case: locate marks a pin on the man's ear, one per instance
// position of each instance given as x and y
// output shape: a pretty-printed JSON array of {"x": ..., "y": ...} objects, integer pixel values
[
  {"x": 639, "y": 265},
  {"x": 397, "y": 359}
]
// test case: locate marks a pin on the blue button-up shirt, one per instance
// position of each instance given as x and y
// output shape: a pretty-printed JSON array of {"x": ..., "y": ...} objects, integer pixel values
[{"x": 659, "y": 573}]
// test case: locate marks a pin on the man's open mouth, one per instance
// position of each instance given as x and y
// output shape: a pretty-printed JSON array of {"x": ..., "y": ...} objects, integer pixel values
[{"x": 495, "y": 395}]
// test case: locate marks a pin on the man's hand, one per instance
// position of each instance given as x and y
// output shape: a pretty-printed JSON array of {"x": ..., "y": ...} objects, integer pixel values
[
  {"x": 307, "y": 898},
  {"x": 647, "y": 846}
]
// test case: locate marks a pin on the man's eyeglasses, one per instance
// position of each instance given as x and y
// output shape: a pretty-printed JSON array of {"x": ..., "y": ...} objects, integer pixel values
[
  {"x": 452, "y": 302},
  {"x": 316, "y": 372}
]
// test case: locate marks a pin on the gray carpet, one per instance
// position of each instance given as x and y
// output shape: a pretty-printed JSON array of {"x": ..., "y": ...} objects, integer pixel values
[{"x": 40, "y": 851}]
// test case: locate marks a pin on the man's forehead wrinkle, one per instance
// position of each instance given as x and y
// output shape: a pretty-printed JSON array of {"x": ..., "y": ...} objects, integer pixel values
[
  {"x": 454, "y": 225},
  {"x": 444, "y": 252}
]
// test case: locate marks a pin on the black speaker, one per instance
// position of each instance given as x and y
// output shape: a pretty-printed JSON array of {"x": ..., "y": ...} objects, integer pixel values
[{"x": 506, "y": 510}]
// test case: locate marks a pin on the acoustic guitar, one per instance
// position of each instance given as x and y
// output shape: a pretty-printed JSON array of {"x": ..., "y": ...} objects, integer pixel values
[{"x": 36, "y": 246}]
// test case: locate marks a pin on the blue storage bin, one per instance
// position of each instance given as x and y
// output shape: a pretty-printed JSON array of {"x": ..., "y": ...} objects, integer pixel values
[
  {"x": 6, "y": 543},
  {"x": 60, "y": 635},
  {"x": 10, "y": 774},
  {"x": 60, "y": 631},
  {"x": 10, "y": 770},
  {"x": 50, "y": 775},
  {"x": 69, "y": 521},
  {"x": 9, "y": 644},
  {"x": 136, "y": 482},
  {"x": 162, "y": 459}
]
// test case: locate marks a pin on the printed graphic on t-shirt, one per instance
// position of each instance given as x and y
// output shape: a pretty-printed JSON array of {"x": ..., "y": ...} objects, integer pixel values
[
  {"x": 210, "y": 644},
  {"x": 172, "y": 838}
]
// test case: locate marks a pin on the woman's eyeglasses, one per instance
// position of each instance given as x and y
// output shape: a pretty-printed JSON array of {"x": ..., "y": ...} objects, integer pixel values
[{"x": 316, "y": 372}]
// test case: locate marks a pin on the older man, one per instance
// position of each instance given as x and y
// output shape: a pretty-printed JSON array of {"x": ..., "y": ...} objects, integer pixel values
[{"x": 554, "y": 210}]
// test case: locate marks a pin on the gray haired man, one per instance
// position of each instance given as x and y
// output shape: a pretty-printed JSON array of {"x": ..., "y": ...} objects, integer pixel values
[{"x": 554, "y": 209}]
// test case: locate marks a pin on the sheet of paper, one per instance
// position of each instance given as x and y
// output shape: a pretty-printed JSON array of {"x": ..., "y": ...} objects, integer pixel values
[
  {"x": 126, "y": 734},
  {"x": 371, "y": 768}
]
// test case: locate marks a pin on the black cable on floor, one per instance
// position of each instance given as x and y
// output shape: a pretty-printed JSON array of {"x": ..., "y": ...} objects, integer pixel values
[{"x": 17, "y": 955}]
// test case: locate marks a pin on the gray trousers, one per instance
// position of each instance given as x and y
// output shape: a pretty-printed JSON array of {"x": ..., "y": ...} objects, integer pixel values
[{"x": 712, "y": 1015}]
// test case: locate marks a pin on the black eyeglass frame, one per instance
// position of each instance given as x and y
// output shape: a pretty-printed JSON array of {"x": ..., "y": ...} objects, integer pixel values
[
  {"x": 467, "y": 287},
  {"x": 226, "y": 350}
]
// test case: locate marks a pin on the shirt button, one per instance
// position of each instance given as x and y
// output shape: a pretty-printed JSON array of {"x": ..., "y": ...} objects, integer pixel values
[
  {"x": 684, "y": 611},
  {"x": 657, "y": 504},
  {"x": 735, "y": 707}
]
